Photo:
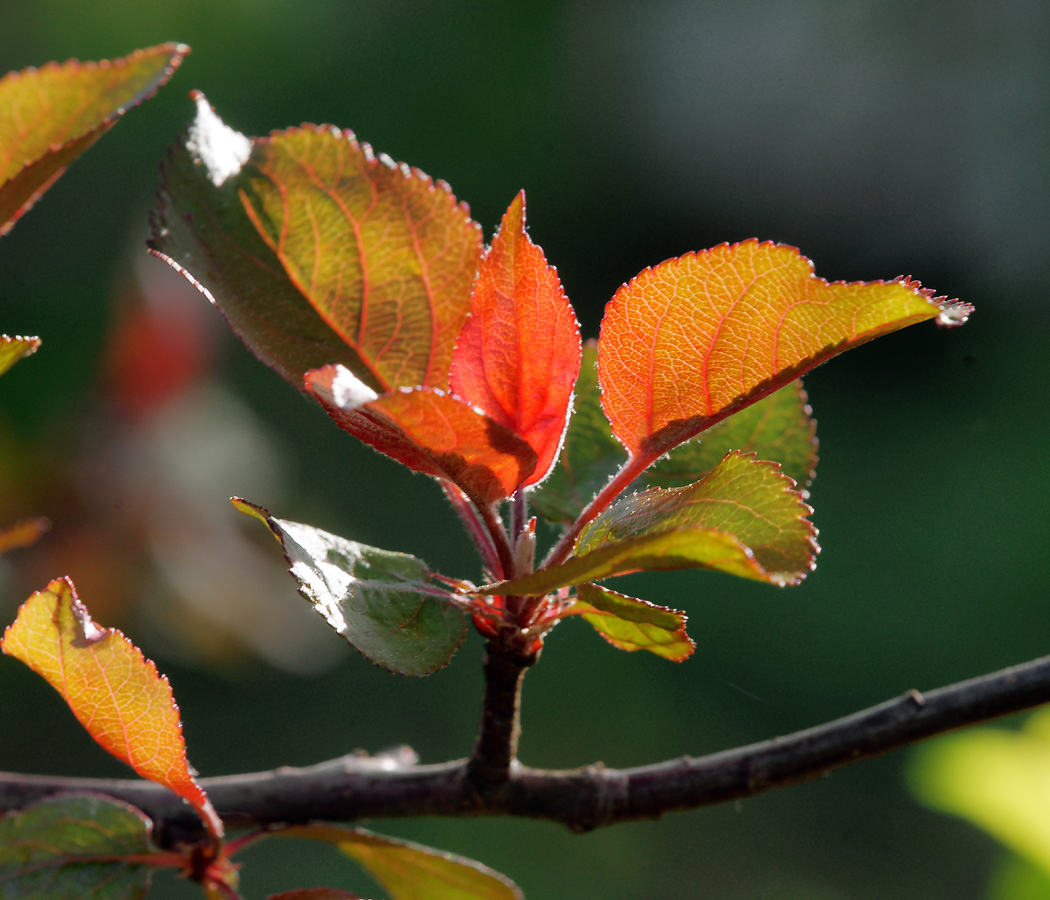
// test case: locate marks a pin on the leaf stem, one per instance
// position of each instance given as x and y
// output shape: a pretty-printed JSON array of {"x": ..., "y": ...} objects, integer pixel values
[
  {"x": 475, "y": 527},
  {"x": 498, "y": 534}
]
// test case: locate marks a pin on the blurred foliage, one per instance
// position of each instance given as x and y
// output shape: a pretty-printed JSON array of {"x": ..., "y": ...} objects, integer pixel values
[{"x": 883, "y": 139}]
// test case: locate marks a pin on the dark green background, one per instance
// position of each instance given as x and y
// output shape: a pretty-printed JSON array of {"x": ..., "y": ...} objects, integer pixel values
[{"x": 882, "y": 139}]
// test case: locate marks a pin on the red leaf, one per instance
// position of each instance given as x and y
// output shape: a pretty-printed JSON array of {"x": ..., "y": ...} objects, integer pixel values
[
  {"x": 519, "y": 353},
  {"x": 428, "y": 431}
]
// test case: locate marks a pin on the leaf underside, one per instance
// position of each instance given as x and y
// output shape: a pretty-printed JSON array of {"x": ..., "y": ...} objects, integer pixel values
[
  {"x": 50, "y": 115},
  {"x": 376, "y": 599},
  {"x": 410, "y": 871},
  {"x": 45, "y": 850},
  {"x": 632, "y": 624},
  {"x": 12, "y": 349},
  {"x": 115, "y": 693}
]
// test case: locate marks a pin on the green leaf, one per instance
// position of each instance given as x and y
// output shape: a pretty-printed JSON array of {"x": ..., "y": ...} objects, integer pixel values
[
  {"x": 50, "y": 115},
  {"x": 410, "y": 871},
  {"x": 12, "y": 349},
  {"x": 998, "y": 780},
  {"x": 779, "y": 428},
  {"x": 633, "y": 624},
  {"x": 365, "y": 257},
  {"x": 46, "y": 850},
  {"x": 381, "y": 602},
  {"x": 589, "y": 457},
  {"x": 743, "y": 518}
]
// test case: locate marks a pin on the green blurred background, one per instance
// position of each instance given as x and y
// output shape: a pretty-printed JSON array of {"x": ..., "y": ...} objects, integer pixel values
[{"x": 884, "y": 138}]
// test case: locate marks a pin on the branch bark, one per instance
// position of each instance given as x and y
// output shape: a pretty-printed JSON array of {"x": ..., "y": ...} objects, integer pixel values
[{"x": 356, "y": 787}]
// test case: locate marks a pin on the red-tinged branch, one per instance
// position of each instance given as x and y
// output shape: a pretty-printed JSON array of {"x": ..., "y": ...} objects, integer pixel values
[
  {"x": 355, "y": 787},
  {"x": 498, "y": 534},
  {"x": 475, "y": 527}
]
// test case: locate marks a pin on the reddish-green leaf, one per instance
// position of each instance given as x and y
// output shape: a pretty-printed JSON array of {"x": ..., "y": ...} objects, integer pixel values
[
  {"x": 369, "y": 254},
  {"x": 22, "y": 534},
  {"x": 632, "y": 624},
  {"x": 112, "y": 689},
  {"x": 693, "y": 339},
  {"x": 50, "y": 115},
  {"x": 70, "y": 847},
  {"x": 12, "y": 349},
  {"x": 380, "y": 601},
  {"x": 410, "y": 871},
  {"x": 518, "y": 356},
  {"x": 428, "y": 431},
  {"x": 743, "y": 518},
  {"x": 779, "y": 427}
]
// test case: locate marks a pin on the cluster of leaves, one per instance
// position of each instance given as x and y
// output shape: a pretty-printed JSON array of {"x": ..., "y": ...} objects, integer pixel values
[{"x": 366, "y": 285}]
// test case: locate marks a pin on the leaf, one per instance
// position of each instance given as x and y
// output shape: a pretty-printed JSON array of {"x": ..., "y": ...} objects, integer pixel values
[
  {"x": 115, "y": 693},
  {"x": 380, "y": 601},
  {"x": 742, "y": 518},
  {"x": 589, "y": 457},
  {"x": 692, "y": 340},
  {"x": 632, "y": 624},
  {"x": 410, "y": 871},
  {"x": 315, "y": 894},
  {"x": 12, "y": 349},
  {"x": 998, "y": 780},
  {"x": 50, "y": 115},
  {"x": 57, "y": 850},
  {"x": 779, "y": 427},
  {"x": 429, "y": 431},
  {"x": 369, "y": 254},
  {"x": 518, "y": 355},
  {"x": 22, "y": 534}
]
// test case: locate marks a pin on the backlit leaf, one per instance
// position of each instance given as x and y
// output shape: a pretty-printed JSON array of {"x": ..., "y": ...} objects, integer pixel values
[
  {"x": 519, "y": 353},
  {"x": 52, "y": 850},
  {"x": 380, "y": 601},
  {"x": 112, "y": 689},
  {"x": 50, "y": 115},
  {"x": 383, "y": 257},
  {"x": 632, "y": 624},
  {"x": 22, "y": 534},
  {"x": 690, "y": 341},
  {"x": 12, "y": 349},
  {"x": 410, "y": 871},
  {"x": 428, "y": 431},
  {"x": 742, "y": 518}
]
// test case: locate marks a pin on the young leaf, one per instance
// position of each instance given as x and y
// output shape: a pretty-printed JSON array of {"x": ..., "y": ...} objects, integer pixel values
[
  {"x": 50, "y": 115},
  {"x": 381, "y": 257},
  {"x": 518, "y": 356},
  {"x": 69, "y": 847},
  {"x": 12, "y": 349},
  {"x": 429, "y": 431},
  {"x": 112, "y": 689},
  {"x": 694, "y": 339},
  {"x": 22, "y": 534},
  {"x": 742, "y": 518},
  {"x": 410, "y": 871},
  {"x": 779, "y": 427},
  {"x": 380, "y": 601},
  {"x": 632, "y": 624}
]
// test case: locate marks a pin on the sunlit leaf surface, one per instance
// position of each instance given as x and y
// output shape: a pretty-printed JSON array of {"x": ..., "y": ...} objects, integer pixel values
[
  {"x": 112, "y": 689},
  {"x": 410, "y": 871},
  {"x": 519, "y": 353},
  {"x": 45, "y": 850},
  {"x": 632, "y": 624},
  {"x": 12, "y": 349},
  {"x": 431, "y": 432},
  {"x": 50, "y": 115},
  {"x": 743, "y": 518},
  {"x": 689, "y": 341},
  {"x": 380, "y": 601}
]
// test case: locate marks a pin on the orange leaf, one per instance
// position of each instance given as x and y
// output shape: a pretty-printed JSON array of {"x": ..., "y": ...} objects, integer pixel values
[
  {"x": 50, "y": 115},
  {"x": 692, "y": 340},
  {"x": 384, "y": 255},
  {"x": 112, "y": 689},
  {"x": 12, "y": 349},
  {"x": 519, "y": 353},
  {"x": 428, "y": 431},
  {"x": 22, "y": 534}
]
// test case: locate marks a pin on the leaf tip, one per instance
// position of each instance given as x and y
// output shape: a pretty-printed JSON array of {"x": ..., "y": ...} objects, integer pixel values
[{"x": 212, "y": 143}]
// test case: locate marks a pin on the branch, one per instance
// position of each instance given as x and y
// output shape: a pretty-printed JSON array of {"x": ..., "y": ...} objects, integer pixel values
[{"x": 356, "y": 787}]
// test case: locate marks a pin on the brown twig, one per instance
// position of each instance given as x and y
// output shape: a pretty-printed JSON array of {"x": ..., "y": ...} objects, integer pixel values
[{"x": 357, "y": 787}]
